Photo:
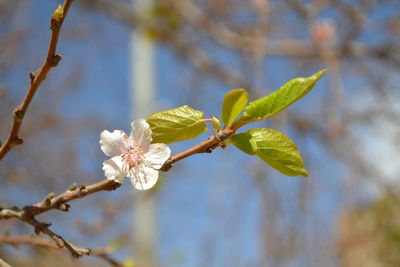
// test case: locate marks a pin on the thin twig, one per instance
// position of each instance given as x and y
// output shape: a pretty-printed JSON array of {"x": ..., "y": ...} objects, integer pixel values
[
  {"x": 45, "y": 243},
  {"x": 60, "y": 202},
  {"x": 37, "y": 78},
  {"x": 59, "y": 240},
  {"x": 27, "y": 213}
]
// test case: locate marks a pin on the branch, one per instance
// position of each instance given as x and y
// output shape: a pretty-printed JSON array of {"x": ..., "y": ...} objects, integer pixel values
[
  {"x": 27, "y": 213},
  {"x": 4, "y": 264},
  {"x": 45, "y": 243},
  {"x": 206, "y": 146},
  {"x": 60, "y": 202},
  {"x": 59, "y": 240},
  {"x": 37, "y": 78}
]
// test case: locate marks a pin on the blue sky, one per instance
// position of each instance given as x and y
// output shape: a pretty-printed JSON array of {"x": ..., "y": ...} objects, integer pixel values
[{"x": 207, "y": 205}]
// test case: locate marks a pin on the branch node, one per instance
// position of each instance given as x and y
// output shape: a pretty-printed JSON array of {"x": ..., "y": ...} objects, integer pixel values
[
  {"x": 55, "y": 23},
  {"x": 223, "y": 135},
  {"x": 82, "y": 189},
  {"x": 60, "y": 243},
  {"x": 37, "y": 230},
  {"x": 55, "y": 60},
  {"x": 19, "y": 140},
  {"x": 18, "y": 114},
  {"x": 208, "y": 150},
  {"x": 63, "y": 207},
  {"x": 46, "y": 224},
  {"x": 48, "y": 198},
  {"x": 32, "y": 76},
  {"x": 116, "y": 185},
  {"x": 167, "y": 165},
  {"x": 73, "y": 187}
]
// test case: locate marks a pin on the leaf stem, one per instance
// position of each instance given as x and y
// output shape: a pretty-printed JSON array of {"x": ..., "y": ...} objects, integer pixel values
[{"x": 207, "y": 120}]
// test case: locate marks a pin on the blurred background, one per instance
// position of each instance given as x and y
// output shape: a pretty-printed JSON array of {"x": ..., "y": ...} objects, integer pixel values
[{"x": 123, "y": 60}]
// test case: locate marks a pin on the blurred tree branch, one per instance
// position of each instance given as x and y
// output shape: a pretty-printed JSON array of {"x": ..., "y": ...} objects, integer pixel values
[
  {"x": 3, "y": 263},
  {"x": 210, "y": 24},
  {"x": 44, "y": 243}
]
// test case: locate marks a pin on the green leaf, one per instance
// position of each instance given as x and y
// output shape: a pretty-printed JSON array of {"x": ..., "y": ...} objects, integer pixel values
[
  {"x": 278, "y": 150},
  {"x": 278, "y": 100},
  {"x": 216, "y": 124},
  {"x": 234, "y": 103},
  {"x": 244, "y": 142},
  {"x": 176, "y": 124}
]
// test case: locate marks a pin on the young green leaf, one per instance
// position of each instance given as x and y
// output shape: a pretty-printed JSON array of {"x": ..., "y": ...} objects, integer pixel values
[
  {"x": 216, "y": 124},
  {"x": 278, "y": 150},
  {"x": 271, "y": 104},
  {"x": 234, "y": 103},
  {"x": 176, "y": 124},
  {"x": 244, "y": 142}
]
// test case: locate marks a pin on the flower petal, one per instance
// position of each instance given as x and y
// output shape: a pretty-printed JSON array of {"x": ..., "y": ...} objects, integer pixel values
[
  {"x": 157, "y": 155},
  {"x": 143, "y": 178},
  {"x": 113, "y": 144},
  {"x": 141, "y": 133},
  {"x": 115, "y": 169}
]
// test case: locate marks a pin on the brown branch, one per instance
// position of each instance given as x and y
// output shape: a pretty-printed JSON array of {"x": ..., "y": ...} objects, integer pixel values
[
  {"x": 45, "y": 243},
  {"x": 59, "y": 240},
  {"x": 27, "y": 213},
  {"x": 60, "y": 202},
  {"x": 37, "y": 78},
  {"x": 206, "y": 146}
]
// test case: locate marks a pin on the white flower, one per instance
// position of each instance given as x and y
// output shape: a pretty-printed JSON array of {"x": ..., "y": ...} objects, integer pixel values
[{"x": 133, "y": 156}]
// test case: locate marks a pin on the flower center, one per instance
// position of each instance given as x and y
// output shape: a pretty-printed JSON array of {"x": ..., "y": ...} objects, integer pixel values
[{"x": 133, "y": 156}]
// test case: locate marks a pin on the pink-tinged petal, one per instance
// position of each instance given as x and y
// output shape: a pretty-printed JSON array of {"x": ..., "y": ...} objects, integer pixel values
[
  {"x": 113, "y": 144},
  {"x": 143, "y": 178},
  {"x": 157, "y": 155},
  {"x": 115, "y": 169},
  {"x": 141, "y": 133}
]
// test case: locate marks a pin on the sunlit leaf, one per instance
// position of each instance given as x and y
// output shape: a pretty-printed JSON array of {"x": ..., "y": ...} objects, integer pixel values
[
  {"x": 244, "y": 142},
  {"x": 234, "y": 103},
  {"x": 278, "y": 150},
  {"x": 176, "y": 124},
  {"x": 278, "y": 100}
]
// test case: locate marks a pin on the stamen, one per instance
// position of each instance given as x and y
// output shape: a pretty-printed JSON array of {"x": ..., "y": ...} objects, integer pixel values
[{"x": 133, "y": 156}]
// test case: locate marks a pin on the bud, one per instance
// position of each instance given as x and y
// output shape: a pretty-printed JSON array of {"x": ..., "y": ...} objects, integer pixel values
[
  {"x": 59, "y": 13},
  {"x": 216, "y": 123}
]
